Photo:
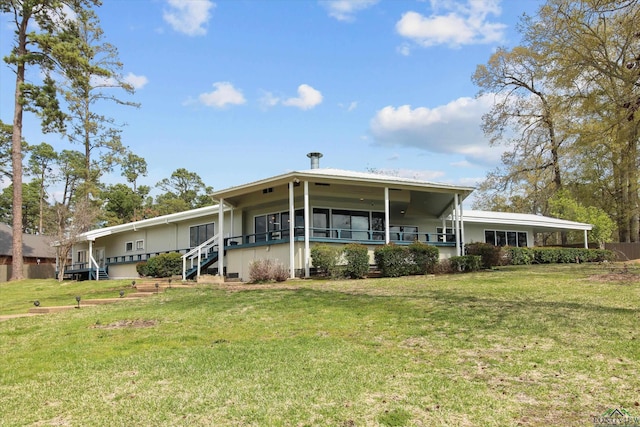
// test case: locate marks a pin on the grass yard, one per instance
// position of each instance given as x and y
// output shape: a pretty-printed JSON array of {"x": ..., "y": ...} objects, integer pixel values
[{"x": 534, "y": 346}]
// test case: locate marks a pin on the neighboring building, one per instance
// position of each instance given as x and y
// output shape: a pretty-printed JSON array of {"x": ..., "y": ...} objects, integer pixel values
[
  {"x": 38, "y": 255},
  {"x": 257, "y": 220}
]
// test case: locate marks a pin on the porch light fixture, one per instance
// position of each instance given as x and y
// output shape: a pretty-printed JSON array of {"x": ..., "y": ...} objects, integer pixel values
[
  {"x": 121, "y": 293},
  {"x": 78, "y": 300}
]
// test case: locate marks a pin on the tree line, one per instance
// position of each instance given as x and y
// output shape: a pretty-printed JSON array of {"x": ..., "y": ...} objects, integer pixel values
[
  {"x": 566, "y": 110},
  {"x": 61, "y": 41}
]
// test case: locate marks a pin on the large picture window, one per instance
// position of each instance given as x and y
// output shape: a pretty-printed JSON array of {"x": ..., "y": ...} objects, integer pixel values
[
  {"x": 506, "y": 238},
  {"x": 277, "y": 225},
  {"x": 446, "y": 235},
  {"x": 348, "y": 224},
  {"x": 200, "y": 234}
]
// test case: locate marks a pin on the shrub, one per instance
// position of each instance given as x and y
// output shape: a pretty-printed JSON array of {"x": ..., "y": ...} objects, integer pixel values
[
  {"x": 357, "y": 258},
  {"x": 142, "y": 268},
  {"x": 267, "y": 270},
  {"x": 425, "y": 257},
  {"x": 443, "y": 267},
  {"x": 519, "y": 256},
  {"x": 280, "y": 272},
  {"x": 491, "y": 255},
  {"x": 325, "y": 259},
  {"x": 466, "y": 263},
  {"x": 394, "y": 260},
  {"x": 165, "y": 265}
]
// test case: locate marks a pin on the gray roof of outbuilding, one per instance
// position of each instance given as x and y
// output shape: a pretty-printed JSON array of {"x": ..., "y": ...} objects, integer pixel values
[{"x": 33, "y": 245}]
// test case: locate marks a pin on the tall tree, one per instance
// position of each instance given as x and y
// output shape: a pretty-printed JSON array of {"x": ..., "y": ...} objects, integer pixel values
[
  {"x": 594, "y": 46},
  {"x": 41, "y": 158},
  {"x": 71, "y": 166},
  {"x": 45, "y": 49},
  {"x": 183, "y": 190},
  {"x": 527, "y": 118},
  {"x": 87, "y": 86}
]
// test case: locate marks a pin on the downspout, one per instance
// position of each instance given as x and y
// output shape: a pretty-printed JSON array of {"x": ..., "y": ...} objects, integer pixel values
[
  {"x": 387, "y": 233},
  {"x": 292, "y": 233},
  {"x": 220, "y": 239},
  {"x": 307, "y": 215}
]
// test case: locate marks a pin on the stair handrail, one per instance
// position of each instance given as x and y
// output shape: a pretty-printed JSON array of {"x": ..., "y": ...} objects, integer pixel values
[
  {"x": 197, "y": 253},
  {"x": 93, "y": 262}
]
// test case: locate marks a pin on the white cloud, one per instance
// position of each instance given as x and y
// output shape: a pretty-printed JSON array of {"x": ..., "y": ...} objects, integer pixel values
[
  {"x": 344, "y": 10},
  {"x": 453, "y": 128},
  {"x": 268, "y": 100},
  {"x": 223, "y": 95},
  {"x": 459, "y": 24},
  {"x": 189, "y": 16},
  {"x": 308, "y": 98},
  {"x": 138, "y": 82}
]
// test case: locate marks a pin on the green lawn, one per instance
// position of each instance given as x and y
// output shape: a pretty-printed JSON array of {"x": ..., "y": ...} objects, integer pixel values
[{"x": 536, "y": 346}]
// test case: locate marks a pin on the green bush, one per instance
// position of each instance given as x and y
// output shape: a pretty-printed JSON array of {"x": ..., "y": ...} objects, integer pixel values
[
  {"x": 425, "y": 257},
  {"x": 165, "y": 265},
  {"x": 491, "y": 255},
  {"x": 325, "y": 259},
  {"x": 357, "y": 258},
  {"x": 551, "y": 255},
  {"x": 466, "y": 263},
  {"x": 394, "y": 260},
  {"x": 142, "y": 268},
  {"x": 519, "y": 256}
]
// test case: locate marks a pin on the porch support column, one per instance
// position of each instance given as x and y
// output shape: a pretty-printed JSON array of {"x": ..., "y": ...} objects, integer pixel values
[
  {"x": 586, "y": 241},
  {"x": 220, "y": 238},
  {"x": 461, "y": 230},
  {"x": 307, "y": 216},
  {"x": 90, "y": 257},
  {"x": 292, "y": 234},
  {"x": 456, "y": 221},
  {"x": 387, "y": 234}
]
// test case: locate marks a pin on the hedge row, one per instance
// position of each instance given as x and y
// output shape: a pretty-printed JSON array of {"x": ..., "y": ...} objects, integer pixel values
[
  {"x": 525, "y": 256},
  {"x": 163, "y": 265}
]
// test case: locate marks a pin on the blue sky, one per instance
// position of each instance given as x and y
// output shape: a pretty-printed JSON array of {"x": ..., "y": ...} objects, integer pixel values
[{"x": 238, "y": 90}]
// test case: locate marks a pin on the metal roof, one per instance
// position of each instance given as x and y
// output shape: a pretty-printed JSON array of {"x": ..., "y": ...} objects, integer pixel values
[{"x": 538, "y": 222}]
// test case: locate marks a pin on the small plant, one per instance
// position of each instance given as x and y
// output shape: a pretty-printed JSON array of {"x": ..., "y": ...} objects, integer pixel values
[
  {"x": 267, "y": 270},
  {"x": 491, "y": 255},
  {"x": 466, "y": 263},
  {"x": 394, "y": 260},
  {"x": 357, "y": 258},
  {"x": 425, "y": 257},
  {"x": 142, "y": 269},
  {"x": 165, "y": 265},
  {"x": 325, "y": 260}
]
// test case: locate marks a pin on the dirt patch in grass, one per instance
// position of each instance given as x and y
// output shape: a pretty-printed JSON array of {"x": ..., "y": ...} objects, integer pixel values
[{"x": 128, "y": 324}]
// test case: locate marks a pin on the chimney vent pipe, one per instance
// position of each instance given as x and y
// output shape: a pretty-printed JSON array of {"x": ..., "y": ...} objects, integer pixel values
[{"x": 315, "y": 159}]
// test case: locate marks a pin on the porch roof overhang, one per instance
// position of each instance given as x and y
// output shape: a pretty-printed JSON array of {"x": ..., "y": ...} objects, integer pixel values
[
  {"x": 539, "y": 223},
  {"x": 144, "y": 223},
  {"x": 440, "y": 196}
]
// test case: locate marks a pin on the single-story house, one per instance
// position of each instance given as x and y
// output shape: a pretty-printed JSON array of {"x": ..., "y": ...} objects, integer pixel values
[
  {"x": 283, "y": 216},
  {"x": 39, "y": 258}
]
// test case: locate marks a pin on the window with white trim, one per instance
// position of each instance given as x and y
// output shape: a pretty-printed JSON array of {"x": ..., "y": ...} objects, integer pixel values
[
  {"x": 200, "y": 233},
  {"x": 139, "y": 245},
  {"x": 506, "y": 238},
  {"x": 128, "y": 246}
]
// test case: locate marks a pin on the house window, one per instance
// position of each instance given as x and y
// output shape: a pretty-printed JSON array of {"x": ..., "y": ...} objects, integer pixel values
[
  {"x": 139, "y": 245},
  {"x": 277, "y": 225},
  {"x": 506, "y": 238},
  {"x": 128, "y": 247},
  {"x": 446, "y": 235},
  {"x": 81, "y": 258},
  {"x": 200, "y": 233},
  {"x": 348, "y": 224}
]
